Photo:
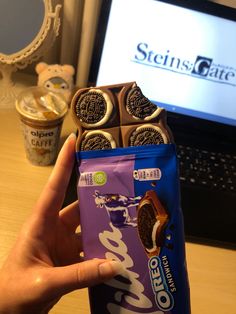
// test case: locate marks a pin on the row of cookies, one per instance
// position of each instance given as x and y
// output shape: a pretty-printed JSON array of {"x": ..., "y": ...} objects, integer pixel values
[{"x": 117, "y": 116}]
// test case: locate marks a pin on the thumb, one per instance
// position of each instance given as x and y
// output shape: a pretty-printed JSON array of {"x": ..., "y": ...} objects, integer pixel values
[{"x": 68, "y": 278}]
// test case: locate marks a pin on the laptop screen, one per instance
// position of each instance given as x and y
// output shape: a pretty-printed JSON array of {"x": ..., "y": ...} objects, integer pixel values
[{"x": 183, "y": 58}]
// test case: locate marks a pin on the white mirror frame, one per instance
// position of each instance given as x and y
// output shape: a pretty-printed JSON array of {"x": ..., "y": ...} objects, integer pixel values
[{"x": 32, "y": 52}]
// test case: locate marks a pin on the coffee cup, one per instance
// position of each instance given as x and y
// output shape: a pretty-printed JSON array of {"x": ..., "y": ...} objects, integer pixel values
[{"x": 41, "y": 114}]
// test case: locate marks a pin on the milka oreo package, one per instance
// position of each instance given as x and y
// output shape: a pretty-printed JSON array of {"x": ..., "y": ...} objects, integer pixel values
[{"x": 130, "y": 212}]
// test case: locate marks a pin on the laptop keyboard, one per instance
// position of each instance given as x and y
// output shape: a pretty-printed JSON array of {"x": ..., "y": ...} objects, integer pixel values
[{"x": 205, "y": 168}]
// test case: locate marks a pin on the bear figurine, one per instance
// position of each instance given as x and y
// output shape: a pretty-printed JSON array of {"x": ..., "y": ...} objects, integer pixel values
[{"x": 56, "y": 78}]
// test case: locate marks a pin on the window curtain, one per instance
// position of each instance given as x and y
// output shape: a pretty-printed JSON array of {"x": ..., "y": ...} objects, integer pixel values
[{"x": 76, "y": 37}]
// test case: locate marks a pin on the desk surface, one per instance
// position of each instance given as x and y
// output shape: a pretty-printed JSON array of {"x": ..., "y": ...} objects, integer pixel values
[{"x": 212, "y": 271}]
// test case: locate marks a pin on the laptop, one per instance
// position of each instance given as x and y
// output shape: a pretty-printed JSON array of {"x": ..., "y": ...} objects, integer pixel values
[{"x": 182, "y": 54}]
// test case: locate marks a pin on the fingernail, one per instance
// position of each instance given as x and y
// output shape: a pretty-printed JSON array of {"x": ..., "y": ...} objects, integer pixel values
[
  {"x": 111, "y": 268},
  {"x": 72, "y": 135}
]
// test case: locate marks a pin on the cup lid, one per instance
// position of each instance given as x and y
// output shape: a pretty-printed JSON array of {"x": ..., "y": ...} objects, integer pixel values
[{"x": 40, "y": 104}]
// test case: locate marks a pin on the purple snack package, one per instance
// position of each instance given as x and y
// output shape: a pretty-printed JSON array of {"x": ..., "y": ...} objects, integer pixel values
[{"x": 130, "y": 212}]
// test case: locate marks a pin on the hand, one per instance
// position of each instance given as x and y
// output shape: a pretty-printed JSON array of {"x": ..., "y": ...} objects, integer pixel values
[{"x": 45, "y": 262}]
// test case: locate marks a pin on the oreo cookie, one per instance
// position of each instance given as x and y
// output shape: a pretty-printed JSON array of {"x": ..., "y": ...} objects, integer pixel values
[
  {"x": 152, "y": 219},
  {"x": 147, "y": 134},
  {"x": 97, "y": 140},
  {"x": 93, "y": 108},
  {"x": 139, "y": 106}
]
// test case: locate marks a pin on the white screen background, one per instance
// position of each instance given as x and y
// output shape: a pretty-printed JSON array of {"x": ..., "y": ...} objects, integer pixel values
[{"x": 185, "y": 34}]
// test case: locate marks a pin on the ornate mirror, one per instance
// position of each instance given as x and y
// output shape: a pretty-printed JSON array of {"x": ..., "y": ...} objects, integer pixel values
[{"x": 27, "y": 29}]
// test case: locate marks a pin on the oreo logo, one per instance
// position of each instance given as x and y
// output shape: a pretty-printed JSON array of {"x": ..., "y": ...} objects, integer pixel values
[
  {"x": 163, "y": 297},
  {"x": 202, "y": 66},
  {"x": 91, "y": 107},
  {"x": 95, "y": 141}
]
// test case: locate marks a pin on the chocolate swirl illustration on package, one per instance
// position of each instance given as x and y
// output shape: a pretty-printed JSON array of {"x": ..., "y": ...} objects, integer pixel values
[{"x": 121, "y": 111}]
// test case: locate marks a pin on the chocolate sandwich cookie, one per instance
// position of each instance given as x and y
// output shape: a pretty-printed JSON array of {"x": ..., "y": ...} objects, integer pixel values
[
  {"x": 152, "y": 219},
  {"x": 137, "y": 106},
  {"x": 92, "y": 108},
  {"x": 96, "y": 140},
  {"x": 147, "y": 134}
]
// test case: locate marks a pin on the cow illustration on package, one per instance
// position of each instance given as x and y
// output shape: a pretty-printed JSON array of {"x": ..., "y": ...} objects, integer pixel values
[{"x": 117, "y": 207}]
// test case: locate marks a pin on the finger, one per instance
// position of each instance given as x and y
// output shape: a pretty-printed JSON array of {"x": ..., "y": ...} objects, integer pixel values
[
  {"x": 70, "y": 217},
  {"x": 52, "y": 197},
  {"x": 84, "y": 274}
]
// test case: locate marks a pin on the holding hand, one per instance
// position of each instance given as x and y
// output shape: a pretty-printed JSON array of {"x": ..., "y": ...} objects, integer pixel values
[{"x": 45, "y": 262}]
